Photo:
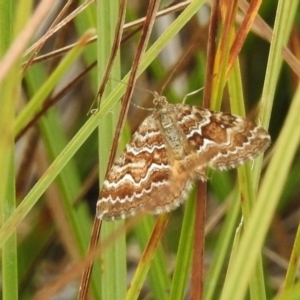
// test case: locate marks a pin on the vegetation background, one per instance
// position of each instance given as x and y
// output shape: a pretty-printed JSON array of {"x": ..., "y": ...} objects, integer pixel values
[{"x": 52, "y": 149}]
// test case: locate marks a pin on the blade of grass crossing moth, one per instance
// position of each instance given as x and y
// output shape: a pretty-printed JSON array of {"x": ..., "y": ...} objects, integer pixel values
[
  {"x": 147, "y": 257},
  {"x": 184, "y": 252},
  {"x": 114, "y": 256},
  {"x": 159, "y": 279},
  {"x": 111, "y": 256}
]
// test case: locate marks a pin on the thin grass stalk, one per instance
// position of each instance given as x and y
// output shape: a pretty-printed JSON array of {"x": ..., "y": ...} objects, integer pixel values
[
  {"x": 222, "y": 53},
  {"x": 113, "y": 258},
  {"x": 197, "y": 276}
]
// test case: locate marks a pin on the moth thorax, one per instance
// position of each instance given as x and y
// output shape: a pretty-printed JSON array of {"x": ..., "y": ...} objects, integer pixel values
[{"x": 172, "y": 135}]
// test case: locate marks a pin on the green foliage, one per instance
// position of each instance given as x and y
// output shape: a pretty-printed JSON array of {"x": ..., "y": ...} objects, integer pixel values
[{"x": 48, "y": 192}]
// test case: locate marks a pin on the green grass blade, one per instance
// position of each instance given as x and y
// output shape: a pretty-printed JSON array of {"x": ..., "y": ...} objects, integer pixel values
[
  {"x": 36, "y": 103},
  {"x": 291, "y": 274},
  {"x": 11, "y": 22},
  {"x": 214, "y": 275},
  {"x": 184, "y": 252},
  {"x": 267, "y": 200},
  {"x": 147, "y": 257},
  {"x": 248, "y": 192},
  {"x": 159, "y": 280},
  {"x": 113, "y": 257},
  {"x": 231, "y": 291}
]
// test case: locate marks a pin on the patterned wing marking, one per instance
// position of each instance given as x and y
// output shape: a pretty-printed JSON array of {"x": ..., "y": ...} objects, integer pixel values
[
  {"x": 222, "y": 140},
  {"x": 142, "y": 180}
]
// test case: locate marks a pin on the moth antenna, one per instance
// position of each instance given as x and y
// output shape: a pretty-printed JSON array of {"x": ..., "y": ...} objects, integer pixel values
[
  {"x": 142, "y": 108},
  {"x": 176, "y": 67},
  {"x": 191, "y": 94}
]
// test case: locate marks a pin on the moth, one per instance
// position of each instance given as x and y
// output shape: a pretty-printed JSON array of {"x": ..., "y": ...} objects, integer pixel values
[{"x": 172, "y": 148}]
